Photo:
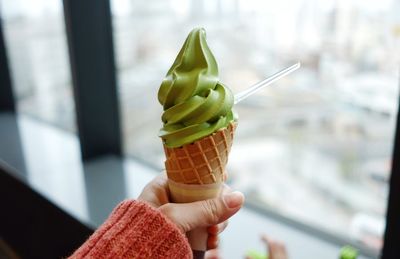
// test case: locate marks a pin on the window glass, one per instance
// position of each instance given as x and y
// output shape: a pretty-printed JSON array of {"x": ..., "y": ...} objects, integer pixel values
[
  {"x": 38, "y": 58},
  {"x": 317, "y": 145}
]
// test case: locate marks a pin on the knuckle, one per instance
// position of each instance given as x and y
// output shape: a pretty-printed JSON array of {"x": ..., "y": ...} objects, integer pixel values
[
  {"x": 169, "y": 211},
  {"x": 166, "y": 210},
  {"x": 211, "y": 211}
]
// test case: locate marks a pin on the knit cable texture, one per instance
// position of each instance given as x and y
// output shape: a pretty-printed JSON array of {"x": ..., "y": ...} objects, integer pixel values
[{"x": 135, "y": 230}]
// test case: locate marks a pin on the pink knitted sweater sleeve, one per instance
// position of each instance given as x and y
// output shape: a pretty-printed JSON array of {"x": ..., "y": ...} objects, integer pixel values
[{"x": 135, "y": 230}]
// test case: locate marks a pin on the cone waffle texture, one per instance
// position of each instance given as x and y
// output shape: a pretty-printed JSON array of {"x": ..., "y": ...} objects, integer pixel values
[{"x": 201, "y": 162}]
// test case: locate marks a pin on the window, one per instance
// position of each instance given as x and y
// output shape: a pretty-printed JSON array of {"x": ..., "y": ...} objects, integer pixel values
[
  {"x": 316, "y": 146},
  {"x": 38, "y": 57}
]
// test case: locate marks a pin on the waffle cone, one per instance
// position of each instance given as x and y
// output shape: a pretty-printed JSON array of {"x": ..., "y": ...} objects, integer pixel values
[
  {"x": 201, "y": 162},
  {"x": 196, "y": 172}
]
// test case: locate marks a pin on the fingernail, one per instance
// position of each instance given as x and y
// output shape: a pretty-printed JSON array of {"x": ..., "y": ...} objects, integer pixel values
[{"x": 233, "y": 199}]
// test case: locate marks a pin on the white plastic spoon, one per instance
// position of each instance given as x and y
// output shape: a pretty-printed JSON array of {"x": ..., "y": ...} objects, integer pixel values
[{"x": 258, "y": 86}]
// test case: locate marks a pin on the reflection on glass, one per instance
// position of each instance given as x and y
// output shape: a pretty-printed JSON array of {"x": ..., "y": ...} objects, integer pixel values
[
  {"x": 38, "y": 56},
  {"x": 316, "y": 147},
  {"x": 104, "y": 185}
]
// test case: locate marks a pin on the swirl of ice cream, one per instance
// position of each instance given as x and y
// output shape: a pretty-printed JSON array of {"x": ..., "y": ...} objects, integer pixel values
[{"x": 195, "y": 103}]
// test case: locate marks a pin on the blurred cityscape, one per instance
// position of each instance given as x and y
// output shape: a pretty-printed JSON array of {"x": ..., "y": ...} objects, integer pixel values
[{"x": 316, "y": 146}]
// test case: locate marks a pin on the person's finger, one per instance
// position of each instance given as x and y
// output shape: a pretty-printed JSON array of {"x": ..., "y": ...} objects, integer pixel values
[
  {"x": 273, "y": 250},
  {"x": 281, "y": 250},
  {"x": 276, "y": 249},
  {"x": 156, "y": 192},
  {"x": 188, "y": 216},
  {"x": 213, "y": 230},
  {"x": 264, "y": 238},
  {"x": 212, "y": 242},
  {"x": 212, "y": 254},
  {"x": 217, "y": 229}
]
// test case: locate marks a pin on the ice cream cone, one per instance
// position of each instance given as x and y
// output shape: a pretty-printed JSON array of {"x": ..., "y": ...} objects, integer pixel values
[
  {"x": 198, "y": 126},
  {"x": 201, "y": 162},
  {"x": 196, "y": 172}
]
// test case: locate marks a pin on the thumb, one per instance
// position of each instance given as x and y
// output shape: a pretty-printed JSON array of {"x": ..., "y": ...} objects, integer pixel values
[{"x": 188, "y": 216}]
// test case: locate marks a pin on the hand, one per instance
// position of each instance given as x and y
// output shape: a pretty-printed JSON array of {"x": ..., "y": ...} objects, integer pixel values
[
  {"x": 212, "y": 254},
  {"x": 276, "y": 249},
  {"x": 211, "y": 213}
]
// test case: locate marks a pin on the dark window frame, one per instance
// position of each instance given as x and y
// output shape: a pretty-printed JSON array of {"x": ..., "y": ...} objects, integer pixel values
[
  {"x": 91, "y": 53},
  {"x": 391, "y": 245},
  {"x": 6, "y": 92}
]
